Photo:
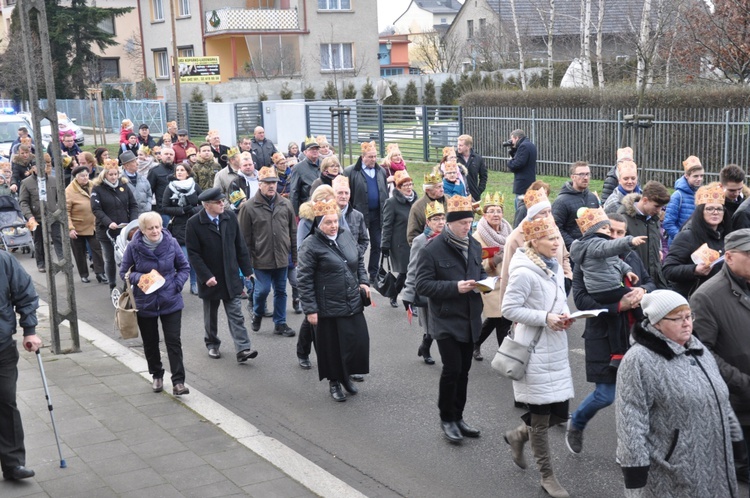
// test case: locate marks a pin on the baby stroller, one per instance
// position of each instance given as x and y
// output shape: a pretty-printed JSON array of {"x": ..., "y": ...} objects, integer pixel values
[
  {"x": 13, "y": 230},
  {"x": 120, "y": 242}
]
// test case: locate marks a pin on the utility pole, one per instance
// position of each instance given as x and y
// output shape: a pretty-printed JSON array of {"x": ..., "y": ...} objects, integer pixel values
[
  {"x": 176, "y": 64},
  {"x": 59, "y": 217}
]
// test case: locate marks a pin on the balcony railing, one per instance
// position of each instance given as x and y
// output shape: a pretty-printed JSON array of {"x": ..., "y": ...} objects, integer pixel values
[{"x": 232, "y": 20}]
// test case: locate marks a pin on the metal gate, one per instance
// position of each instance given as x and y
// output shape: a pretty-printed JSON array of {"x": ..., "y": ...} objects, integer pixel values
[
  {"x": 248, "y": 116},
  {"x": 195, "y": 118},
  {"x": 149, "y": 112}
]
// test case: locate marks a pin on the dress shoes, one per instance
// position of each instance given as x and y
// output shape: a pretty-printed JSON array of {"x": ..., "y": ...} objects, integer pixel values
[
  {"x": 424, "y": 352},
  {"x": 284, "y": 329},
  {"x": 305, "y": 363},
  {"x": 158, "y": 385},
  {"x": 357, "y": 378},
  {"x": 296, "y": 307},
  {"x": 467, "y": 430},
  {"x": 17, "y": 473},
  {"x": 245, "y": 355},
  {"x": 214, "y": 353},
  {"x": 101, "y": 278},
  {"x": 394, "y": 304},
  {"x": 180, "y": 389},
  {"x": 452, "y": 432},
  {"x": 336, "y": 393},
  {"x": 256, "y": 322},
  {"x": 350, "y": 388},
  {"x": 477, "y": 354},
  {"x": 85, "y": 280}
]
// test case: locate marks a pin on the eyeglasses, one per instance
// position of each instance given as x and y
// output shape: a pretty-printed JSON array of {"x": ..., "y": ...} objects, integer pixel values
[
  {"x": 719, "y": 209},
  {"x": 407, "y": 184},
  {"x": 582, "y": 175},
  {"x": 683, "y": 319}
]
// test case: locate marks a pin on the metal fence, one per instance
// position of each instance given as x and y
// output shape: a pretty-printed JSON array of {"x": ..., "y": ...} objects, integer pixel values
[
  {"x": 420, "y": 131},
  {"x": 194, "y": 117},
  {"x": 85, "y": 113},
  {"x": 247, "y": 116},
  {"x": 563, "y": 136}
]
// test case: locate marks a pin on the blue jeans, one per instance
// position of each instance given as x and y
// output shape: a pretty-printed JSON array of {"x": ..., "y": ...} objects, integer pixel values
[
  {"x": 264, "y": 279},
  {"x": 193, "y": 276},
  {"x": 602, "y": 396}
]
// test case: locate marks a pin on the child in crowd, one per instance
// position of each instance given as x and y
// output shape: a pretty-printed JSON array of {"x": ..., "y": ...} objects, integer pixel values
[
  {"x": 126, "y": 127},
  {"x": 452, "y": 185}
]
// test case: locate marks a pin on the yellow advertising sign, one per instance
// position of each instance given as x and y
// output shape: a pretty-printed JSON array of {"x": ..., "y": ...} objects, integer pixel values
[{"x": 199, "y": 69}]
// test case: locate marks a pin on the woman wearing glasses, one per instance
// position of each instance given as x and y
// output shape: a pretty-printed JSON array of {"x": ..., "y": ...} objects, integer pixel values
[
  {"x": 675, "y": 425},
  {"x": 685, "y": 268}
]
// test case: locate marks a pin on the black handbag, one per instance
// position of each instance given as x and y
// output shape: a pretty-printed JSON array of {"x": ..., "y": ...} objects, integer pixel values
[
  {"x": 366, "y": 301},
  {"x": 385, "y": 282}
]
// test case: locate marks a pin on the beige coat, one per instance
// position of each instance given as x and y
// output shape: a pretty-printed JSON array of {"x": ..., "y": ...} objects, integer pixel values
[
  {"x": 78, "y": 203},
  {"x": 513, "y": 242}
]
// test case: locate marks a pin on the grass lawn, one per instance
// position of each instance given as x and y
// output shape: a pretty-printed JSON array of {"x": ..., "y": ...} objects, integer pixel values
[{"x": 114, "y": 149}]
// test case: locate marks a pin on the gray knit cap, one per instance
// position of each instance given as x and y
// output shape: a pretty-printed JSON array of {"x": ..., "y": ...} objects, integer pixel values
[{"x": 659, "y": 303}]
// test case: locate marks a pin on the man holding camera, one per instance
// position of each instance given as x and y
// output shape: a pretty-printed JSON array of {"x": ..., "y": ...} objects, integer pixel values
[{"x": 522, "y": 163}]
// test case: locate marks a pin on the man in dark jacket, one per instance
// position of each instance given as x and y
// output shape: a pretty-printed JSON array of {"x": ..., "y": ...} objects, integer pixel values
[
  {"x": 722, "y": 312},
  {"x": 304, "y": 174},
  {"x": 732, "y": 179},
  {"x": 605, "y": 338},
  {"x": 740, "y": 218},
  {"x": 476, "y": 178},
  {"x": 522, "y": 163},
  {"x": 642, "y": 212},
  {"x": 217, "y": 252},
  {"x": 17, "y": 295},
  {"x": 369, "y": 191},
  {"x": 159, "y": 178},
  {"x": 144, "y": 137},
  {"x": 268, "y": 224},
  {"x": 573, "y": 196},
  {"x": 262, "y": 147},
  {"x": 449, "y": 267},
  {"x": 31, "y": 206}
]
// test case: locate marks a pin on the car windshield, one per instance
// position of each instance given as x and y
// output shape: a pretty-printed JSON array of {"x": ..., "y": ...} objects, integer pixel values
[{"x": 9, "y": 130}]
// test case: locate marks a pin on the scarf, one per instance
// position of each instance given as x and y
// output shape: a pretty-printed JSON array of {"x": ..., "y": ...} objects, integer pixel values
[
  {"x": 462, "y": 244},
  {"x": 490, "y": 236},
  {"x": 181, "y": 189},
  {"x": 152, "y": 245},
  {"x": 113, "y": 185},
  {"x": 401, "y": 166},
  {"x": 636, "y": 190},
  {"x": 550, "y": 262},
  {"x": 411, "y": 197},
  {"x": 429, "y": 233},
  {"x": 82, "y": 189}
]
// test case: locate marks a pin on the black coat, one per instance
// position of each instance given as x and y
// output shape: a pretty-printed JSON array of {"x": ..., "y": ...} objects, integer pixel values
[
  {"x": 329, "y": 276},
  {"x": 263, "y": 152},
  {"x": 607, "y": 333},
  {"x": 220, "y": 155},
  {"x": 180, "y": 215},
  {"x": 650, "y": 252},
  {"x": 112, "y": 205},
  {"x": 395, "y": 220},
  {"x": 441, "y": 266},
  {"x": 358, "y": 186},
  {"x": 610, "y": 184},
  {"x": 679, "y": 268},
  {"x": 523, "y": 165},
  {"x": 565, "y": 209},
  {"x": 741, "y": 217},
  {"x": 476, "y": 177},
  {"x": 217, "y": 253},
  {"x": 159, "y": 177}
]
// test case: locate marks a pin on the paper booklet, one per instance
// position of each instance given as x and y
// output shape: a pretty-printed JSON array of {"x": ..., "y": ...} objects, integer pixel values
[
  {"x": 706, "y": 255},
  {"x": 587, "y": 313},
  {"x": 486, "y": 285}
]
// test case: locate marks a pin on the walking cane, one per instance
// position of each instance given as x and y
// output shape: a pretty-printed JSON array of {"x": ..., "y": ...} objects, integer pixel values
[{"x": 49, "y": 406}]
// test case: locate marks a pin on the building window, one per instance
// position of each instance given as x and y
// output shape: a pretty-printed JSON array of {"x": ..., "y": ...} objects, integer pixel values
[
  {"x": 415, "y": 70},
  {"x": 108, "y": 25},
  {"x": 443, "y": 20},
  {"x": 157, "y": 11},
  {"x": 334, "y": 4},
  {"x": 336, "y": 56},
  {"x": 391, "y": 71},
  {"x": 185, "y": 51},
  {"x": 470, "y": 29},
  {"x": 161, "y": 64},
  {"x": 109, "y": 69},
  {"x": 184, "y": 8},
  {"x": 482, "y": 27},
  {"x": 10, "y": 2}
]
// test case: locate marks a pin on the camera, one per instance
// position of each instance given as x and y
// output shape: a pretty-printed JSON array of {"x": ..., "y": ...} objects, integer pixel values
[{"x": 507, "y": 143}]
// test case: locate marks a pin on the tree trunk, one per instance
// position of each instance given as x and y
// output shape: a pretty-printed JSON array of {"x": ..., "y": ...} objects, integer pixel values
[
  {"x": 521, "y": 65},
  {"x": 550, "y": 40},
  {"x": 599, "y": 44},
  {"x": 586, "y": 42},
  {"x": 642, "y": 69}
]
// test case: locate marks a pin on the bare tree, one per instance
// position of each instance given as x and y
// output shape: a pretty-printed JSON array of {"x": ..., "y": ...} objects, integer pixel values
[
  {"x": 600, "y": 45},
  {"x": 585, "y": 55},
  {"x": 521, "y": 60},
  {"x": 134, "y": 55},
  {"x": 546, "y": 12},
  {"x": 437, "y": 54}
]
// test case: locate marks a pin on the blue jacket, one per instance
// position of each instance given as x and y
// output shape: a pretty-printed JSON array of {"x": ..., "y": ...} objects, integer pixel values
[
  {"x": 452, "y": 189},
  {"x": 169, "y": 261},
  {"x": 680, "y": 207}
]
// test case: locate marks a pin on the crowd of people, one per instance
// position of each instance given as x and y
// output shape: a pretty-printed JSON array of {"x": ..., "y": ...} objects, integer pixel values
[{"x": 668, "y": 274}]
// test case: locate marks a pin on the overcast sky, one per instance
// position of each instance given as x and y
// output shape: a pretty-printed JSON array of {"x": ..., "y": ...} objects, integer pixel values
[{"x": 389, "y": 10}]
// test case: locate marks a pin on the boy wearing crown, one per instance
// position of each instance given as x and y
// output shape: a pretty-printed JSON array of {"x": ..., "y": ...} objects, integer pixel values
[
  {"x": 447, "y": 273},
  {"x": 433, "y": 191}
]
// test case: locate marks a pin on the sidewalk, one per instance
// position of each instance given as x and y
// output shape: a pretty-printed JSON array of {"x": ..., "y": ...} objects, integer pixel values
[{"x": 120, "y": 439}]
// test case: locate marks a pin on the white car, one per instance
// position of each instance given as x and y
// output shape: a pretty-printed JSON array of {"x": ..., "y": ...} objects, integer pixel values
[
  {"x": 63, "y": 122},
  {"x": 9, "y": 124}
]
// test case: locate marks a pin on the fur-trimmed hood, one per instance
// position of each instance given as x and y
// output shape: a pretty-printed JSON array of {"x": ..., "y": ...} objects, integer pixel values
[
  {"x": 648, "y": 336},
  {"x": 628, "y": 204}
]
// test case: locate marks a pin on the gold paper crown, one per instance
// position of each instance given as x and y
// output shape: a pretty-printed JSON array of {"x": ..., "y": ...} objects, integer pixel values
[
  {"x": 340, "y": 179},
  {"x": 367, "y": 147},
  {"x": 4, "y": 164},
  {"x": 691, "y": 162},
  {"x": 236, "y": 196},
  {"x": 458, "y": 203},
  {"x": 532, "y": 197},
  {"x": 400, "y": 177},
  {"x": 450, "y": 166},
  {"x": 146, "y": 150},
  {"x": 537, "y": 229},
  {"x": 591, "y": 217},
  {"x": 190, "y": 151},
  {"x": 232, "y": 151},
  {"x": 108, "y": 163},
  {"x": 432, "y": 179},
  {"x": 391, "y": 147},
  {"x": 713, "y": 194},
  {"x": 66, "y": 160},
  {"x": 323, "y": 208},
  {"x": 447, "y": 151},
  {"x": 267, "y": 172},
  {"x": 496, "y": 199},
  {"x": 433, "y": 209},
  {"x": 309, "y": 141}
]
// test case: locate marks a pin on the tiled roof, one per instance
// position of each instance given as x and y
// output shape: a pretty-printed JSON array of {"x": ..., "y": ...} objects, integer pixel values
[{"x": 439, "y": 6}]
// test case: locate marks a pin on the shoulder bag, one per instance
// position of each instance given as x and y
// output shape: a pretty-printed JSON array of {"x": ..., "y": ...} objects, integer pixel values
[
  {"x": 125, "y": 311},
  {"x": 385, "y": 282}
]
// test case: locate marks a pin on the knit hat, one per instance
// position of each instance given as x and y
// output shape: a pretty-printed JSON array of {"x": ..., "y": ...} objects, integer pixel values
[
  {"x": 536, "y": 201},
  {"x": 659, "y": 303},
  {"x": 78, "y": 169}
]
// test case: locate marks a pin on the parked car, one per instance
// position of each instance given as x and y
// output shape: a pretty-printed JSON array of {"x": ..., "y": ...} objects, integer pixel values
[
  {"x": 9, "y": 124},
  {"x": 63, "y": 122}
]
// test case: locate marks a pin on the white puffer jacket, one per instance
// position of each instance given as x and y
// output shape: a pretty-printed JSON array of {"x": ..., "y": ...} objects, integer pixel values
[{"x": 530, "y": 295}]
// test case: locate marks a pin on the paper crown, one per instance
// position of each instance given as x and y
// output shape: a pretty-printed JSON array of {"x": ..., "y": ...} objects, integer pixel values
[
  {"x": 691, "y": 162},
  {"x": 458, "y": 203},
  {"x": 66, "y": 160},
  {"x": 401, "y": 177},
  {"x": 537, "y": 229},
  {"x": 712, "y": 194},
  {"x": 433, "y": 209},
  {"x": 450, "y": 167},
  {"x": 232, "y": 151},
  {"x": 367, "y": 147},
  {"x": 211, "y": 133},
  {"x": 108, "y": 163},
  {"x": 145, "y": 149},
  {"x": 190, "y": 151},
  {"x": 432, "y": 179},
  {"x": 340, "y": 180},
  {"x": 236, "y": 196},
  {"x": 590, "y": 217},
  {"x": 624, "y": 153},
  {"x": 323, "y": 208},
  {"x": 532, "y": 197},
  {"x": 310, "y": 141},
  {"x": 267, "y": 174},
  {"x": 171, "y": 124},
  {"x": 26, "y": 141},
  {"x": 321, "y": 140},
  {"x": 392, "y": 148},
  {"x": 496, "y": 199},
  {"x": 449, "y": 151}
]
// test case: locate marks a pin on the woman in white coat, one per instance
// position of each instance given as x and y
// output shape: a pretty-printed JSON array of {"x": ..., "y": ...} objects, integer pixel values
[{"x": 535, "y": 299}]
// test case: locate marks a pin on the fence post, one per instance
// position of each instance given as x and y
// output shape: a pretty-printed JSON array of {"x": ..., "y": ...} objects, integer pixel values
[
  {"x": 425, "y": 135},
  {"x": 307, "y": 120},
  {"x": 533, "y": 126},
  {"x": 619, "y": 128},
  {"x": 726, "y": 138},
  {"x": 261, "y": 116},
  {"x": 460, "y": 120},
  {"x": 381, "y": 131}
]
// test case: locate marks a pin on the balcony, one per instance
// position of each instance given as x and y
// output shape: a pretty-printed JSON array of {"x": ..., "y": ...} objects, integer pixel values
[{"x": 226, "y": 21}]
